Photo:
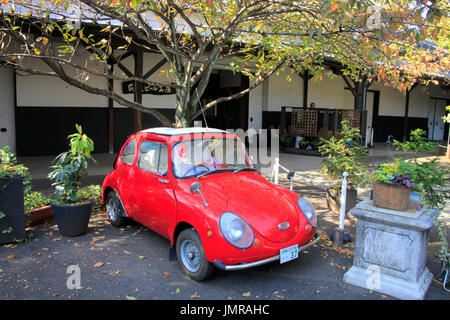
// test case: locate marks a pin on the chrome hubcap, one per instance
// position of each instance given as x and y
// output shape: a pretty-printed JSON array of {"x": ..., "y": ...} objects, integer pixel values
[
  {"x": 112, "y": 209},
  {"x": 190, "y": 255}
]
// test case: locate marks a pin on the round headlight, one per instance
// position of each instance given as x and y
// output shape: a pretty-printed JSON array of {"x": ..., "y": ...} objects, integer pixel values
[
  {"x": 236, "y": 231},
  {"x": 308, "y": 211}
]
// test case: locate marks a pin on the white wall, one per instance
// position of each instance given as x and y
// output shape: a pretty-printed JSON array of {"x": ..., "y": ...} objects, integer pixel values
[
  {"x": 330, "y": 93},
  {"x": 7, "y": 121},
  {"x": 283, "y": 92},
  {"x": 48, "y": 91},
  {"x": 392, "y": 102},
  {"x": 255, "y": 107}
]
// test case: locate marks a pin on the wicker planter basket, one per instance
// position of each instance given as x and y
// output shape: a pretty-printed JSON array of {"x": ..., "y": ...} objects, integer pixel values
[{"x": 388, "y": 196}]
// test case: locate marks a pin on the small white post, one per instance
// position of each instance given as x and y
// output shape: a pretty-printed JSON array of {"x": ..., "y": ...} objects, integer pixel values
[
  {"x": 276, "y": 170},
  {"x": 343, "y": 200},
  {"x": 339, "y": 232}
]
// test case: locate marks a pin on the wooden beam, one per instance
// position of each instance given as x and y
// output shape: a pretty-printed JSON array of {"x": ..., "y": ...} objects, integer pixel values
[
  {"x": 155, "y": 68},
  {"x": 113, "y": 60},
  {"x": 350, "y": 87}
]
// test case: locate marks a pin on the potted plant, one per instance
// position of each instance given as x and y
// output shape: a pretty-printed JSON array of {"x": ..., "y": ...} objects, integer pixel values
[
  {"x": 392, "y": 185},
  {"x": 430, "y": 178},
  {"x": 37, "y": 207},
  {"x": 71, "y": 211},
  {"x": 15, "y": 179},
  {"x": 344, "y": 154}
]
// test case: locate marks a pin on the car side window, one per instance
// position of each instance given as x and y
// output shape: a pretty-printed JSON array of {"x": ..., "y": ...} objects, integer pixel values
[
  {"x": 128, "y": 153},
  {"x": 153, "y": 157}
]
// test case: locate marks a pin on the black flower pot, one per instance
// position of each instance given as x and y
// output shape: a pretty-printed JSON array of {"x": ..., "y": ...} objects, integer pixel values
[
  {"x": 72, "y": 220},
  {"x": 12, "y": 219}
]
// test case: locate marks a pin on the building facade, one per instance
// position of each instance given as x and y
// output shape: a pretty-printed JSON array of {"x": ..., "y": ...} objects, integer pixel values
[{"x": 38, "y": 112}]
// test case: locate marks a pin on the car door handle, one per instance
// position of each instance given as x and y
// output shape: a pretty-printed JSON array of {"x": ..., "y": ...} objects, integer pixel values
[{"x": 163, "y": 181}]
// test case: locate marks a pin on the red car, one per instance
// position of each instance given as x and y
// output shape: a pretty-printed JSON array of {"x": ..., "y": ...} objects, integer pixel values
[{"x": 198, "y": 188}]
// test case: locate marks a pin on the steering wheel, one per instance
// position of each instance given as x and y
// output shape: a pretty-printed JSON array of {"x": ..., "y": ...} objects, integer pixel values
[{"x": 195, "y": 168}]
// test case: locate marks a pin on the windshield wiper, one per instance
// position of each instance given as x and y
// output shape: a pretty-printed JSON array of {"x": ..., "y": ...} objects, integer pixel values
[
  {"x": 244, "y": 168},
  {"x": 213, "y": 171}
]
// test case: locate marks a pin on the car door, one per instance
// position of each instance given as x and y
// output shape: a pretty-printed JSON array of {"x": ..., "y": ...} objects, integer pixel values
[
  {"x": 153, "y": 196},
  {"x": 126, "y": 172}
]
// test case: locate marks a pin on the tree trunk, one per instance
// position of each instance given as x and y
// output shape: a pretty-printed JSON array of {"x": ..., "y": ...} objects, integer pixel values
[{"x": 181, "y": 112}]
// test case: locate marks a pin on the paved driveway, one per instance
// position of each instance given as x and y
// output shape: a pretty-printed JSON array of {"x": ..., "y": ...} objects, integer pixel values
[{"x": 132, "y": 263}]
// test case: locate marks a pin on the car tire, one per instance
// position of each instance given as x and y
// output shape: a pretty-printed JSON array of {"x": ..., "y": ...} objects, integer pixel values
[
  {"x": 114, "y": 208},
  {"x": 191, "y": 255}
]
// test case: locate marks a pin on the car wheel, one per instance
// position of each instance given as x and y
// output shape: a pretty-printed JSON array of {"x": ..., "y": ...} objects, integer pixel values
[
  {"x": 113, "y": 208},
  {"x": 191, "y": 255}
]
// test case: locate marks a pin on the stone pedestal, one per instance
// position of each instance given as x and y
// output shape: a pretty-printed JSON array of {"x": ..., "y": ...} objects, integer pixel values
[{"x": 391, "y": 251}]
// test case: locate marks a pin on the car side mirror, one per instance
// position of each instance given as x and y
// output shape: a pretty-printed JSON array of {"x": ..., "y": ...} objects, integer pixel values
[{"x": 195, "y": 187}]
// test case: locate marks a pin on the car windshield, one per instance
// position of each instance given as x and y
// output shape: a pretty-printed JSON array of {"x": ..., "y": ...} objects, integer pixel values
[{"x": 209, "y": 155}]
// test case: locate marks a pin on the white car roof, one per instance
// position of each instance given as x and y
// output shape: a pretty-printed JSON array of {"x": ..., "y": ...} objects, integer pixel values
[{"x": 167, "y": 131}]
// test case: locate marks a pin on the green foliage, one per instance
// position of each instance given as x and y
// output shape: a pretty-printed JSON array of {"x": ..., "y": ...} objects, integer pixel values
[
  {"x": 429, "y": 176},
  {"x": 34, "y": 200},
  {"x": 446, "y": 118},
  {"x": 71, "y": 167},
  {"x": 286, "y": 140},
  {"x": 10, "y": 167},
  {"x": 385, "y": 172},
  {"x": 92, "y": 193},
  {"x": 430, "y": 179},
  {"x": 417, "y": 142},
  {"x": 344, "y": 155}
]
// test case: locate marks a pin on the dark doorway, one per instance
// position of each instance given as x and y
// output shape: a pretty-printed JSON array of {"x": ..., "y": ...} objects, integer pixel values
[{"x": 231, "y": 114}]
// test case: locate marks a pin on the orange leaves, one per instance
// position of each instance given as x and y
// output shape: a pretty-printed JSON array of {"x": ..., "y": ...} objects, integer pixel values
[
  {"x": 210, "y": 3},
  {"x": 334, "y": 6}
]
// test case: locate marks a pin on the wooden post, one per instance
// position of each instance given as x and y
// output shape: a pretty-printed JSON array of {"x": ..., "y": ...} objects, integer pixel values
[
  {"x": 111, "y": 115},
  {"x": 305, "y": 88},
  {"x": 405, "y": 121},
  {"x": 138, "y": 72},
  {"x": 326, "y": 116},
  {"x": 335, "y": 121},
  {"x": 283, "y": 121}
]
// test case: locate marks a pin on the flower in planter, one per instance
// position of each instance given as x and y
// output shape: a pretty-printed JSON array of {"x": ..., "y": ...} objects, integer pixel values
[
  {"x": 404, "y": 179},
  {"x": 393, "y": 173}
]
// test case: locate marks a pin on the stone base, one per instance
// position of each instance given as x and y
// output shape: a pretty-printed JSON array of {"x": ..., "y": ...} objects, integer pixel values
[{"x": 399, "y": 288}]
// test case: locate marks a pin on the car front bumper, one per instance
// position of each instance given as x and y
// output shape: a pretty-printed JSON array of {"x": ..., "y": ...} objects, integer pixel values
[{"x": 241, "y": 266}]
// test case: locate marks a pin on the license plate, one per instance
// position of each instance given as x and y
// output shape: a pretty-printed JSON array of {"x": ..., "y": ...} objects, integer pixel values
[{"x": 289, "y": 253}]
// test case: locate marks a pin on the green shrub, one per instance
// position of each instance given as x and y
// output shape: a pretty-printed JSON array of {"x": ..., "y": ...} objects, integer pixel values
[
  {"x": 344, "y": 155},
  {"x": 34, "y": 200}
]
